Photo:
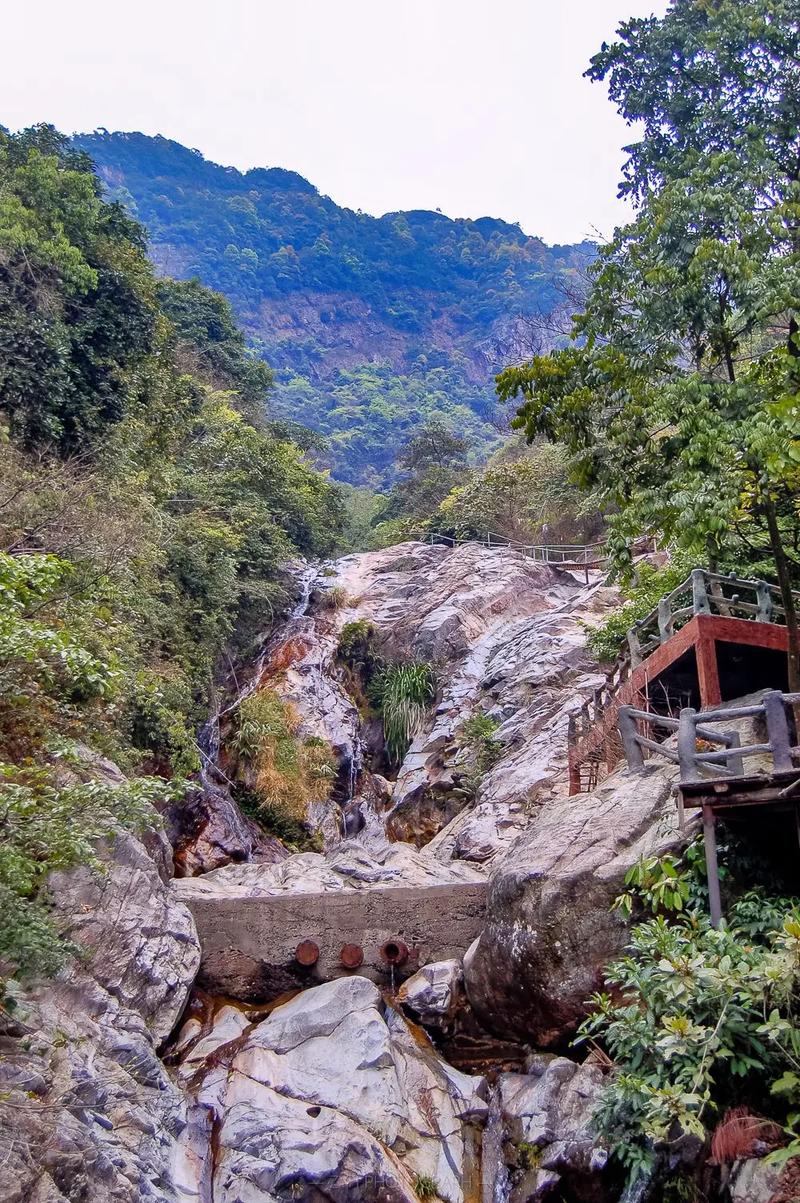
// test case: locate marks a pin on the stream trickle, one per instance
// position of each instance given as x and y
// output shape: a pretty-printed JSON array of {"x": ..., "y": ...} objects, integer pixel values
[{"x": 495, "y": 1181}]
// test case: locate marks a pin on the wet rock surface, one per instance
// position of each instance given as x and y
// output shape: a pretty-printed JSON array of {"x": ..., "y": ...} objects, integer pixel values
[
  {"x": 547, "y": 1113},
  {"x": 435, "y": 994},
  {"x": 350, "y": 866},
  {"x": 209, "y": 830},
  {"x": 549, "y": 928},
  {"x": 331, "y": 1096}
]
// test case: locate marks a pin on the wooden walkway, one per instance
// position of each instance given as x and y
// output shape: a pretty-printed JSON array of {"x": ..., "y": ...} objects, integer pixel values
[
  {"x": 712, "y": 764},
  {"x": 581, "y": 558},
  {"x": 705, "y": 611}
]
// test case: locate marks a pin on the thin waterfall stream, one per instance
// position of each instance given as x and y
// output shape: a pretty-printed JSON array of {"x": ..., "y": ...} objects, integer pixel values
[{"x": 495, "y": 1181}]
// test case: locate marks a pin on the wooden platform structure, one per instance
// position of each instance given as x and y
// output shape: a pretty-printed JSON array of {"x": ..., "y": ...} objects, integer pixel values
[
  {"x": 712, "y": 638},
  {"x": 712, "y": 764}
]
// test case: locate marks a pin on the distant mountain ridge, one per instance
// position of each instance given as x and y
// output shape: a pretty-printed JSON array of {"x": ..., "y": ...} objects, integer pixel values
[{"x": 371, "y": 323}]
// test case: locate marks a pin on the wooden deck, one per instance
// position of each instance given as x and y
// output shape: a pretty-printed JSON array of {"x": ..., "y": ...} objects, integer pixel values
[
  {"x": 711, "y": 764},
  {"x": 702, "y": 615}
]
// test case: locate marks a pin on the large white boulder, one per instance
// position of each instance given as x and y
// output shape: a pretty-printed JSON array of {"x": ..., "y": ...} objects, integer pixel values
[{"x": 333, "y": 1094}]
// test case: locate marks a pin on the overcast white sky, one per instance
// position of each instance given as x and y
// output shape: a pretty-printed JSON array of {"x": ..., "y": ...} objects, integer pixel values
[{"x": 472, "y": 106}]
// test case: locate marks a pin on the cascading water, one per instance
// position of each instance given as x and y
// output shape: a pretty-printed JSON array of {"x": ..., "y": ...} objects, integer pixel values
[
  {"x": 224, "y": 833},
  {"x": 300, "y": 655},
  {"x": 495, "y": 1181}
]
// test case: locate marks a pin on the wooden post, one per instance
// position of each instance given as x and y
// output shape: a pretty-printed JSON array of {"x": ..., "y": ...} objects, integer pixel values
[
  {"x": 665, "y": 622},
  {"x": 712, "y": 868},
  {"x": 630, "y": 744},
  {"x": 687, "y": 741},
  {"x": 778, "y": 731},
  {"x": 735, "y": 763},
  {"x": 700, "y": 600},
  {"x": 681, "y": 811},
  {"x": 635, "y": 647},
  {"x": 764, "y": 600},
  {"x": 707, "y": 670},
  {"x": 574, "y": 768}
]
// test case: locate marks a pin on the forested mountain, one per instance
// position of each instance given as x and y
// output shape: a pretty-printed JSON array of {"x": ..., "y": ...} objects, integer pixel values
[{"x": 370, "y": 324}]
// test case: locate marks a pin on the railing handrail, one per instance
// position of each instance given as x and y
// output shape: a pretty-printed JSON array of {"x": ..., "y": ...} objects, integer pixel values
[
  {"x": 590, "y": 724},
  {"x": 516, "y": 545},
  {"x": 707, "y": 597},
  {"x": 691, "y": 725}
]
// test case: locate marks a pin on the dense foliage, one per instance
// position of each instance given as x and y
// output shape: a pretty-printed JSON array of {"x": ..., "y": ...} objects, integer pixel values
[
  {"x": 640, "y": 596},
  {"x": 144, "y": 520},
  {"x": 679, "y": 394},
  {"x": 288, "y": 772},
  {"x": 696, "y": 1020},
  {"x": 371, "y": 323}
]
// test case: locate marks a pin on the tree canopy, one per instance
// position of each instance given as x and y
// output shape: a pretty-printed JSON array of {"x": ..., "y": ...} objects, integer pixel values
[
  {"x": 145, "y": 521},
  {"x": 678, "y": 395}
]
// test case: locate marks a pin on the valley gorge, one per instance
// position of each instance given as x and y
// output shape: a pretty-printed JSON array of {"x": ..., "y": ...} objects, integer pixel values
[
  {"x": 188, "y": 1053},
  {"x": 400, "y": 646}
]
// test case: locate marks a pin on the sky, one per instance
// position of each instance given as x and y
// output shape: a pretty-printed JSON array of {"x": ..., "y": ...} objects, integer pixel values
[{"x": 474, "y": 107}]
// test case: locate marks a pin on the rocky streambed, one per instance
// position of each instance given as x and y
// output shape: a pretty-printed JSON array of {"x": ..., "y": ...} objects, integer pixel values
[{"x": 164, "y": 1066}]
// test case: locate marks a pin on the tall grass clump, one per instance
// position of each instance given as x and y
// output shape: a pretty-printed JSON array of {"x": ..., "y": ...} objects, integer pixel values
[
  {"x": 403, "y": 693},
  {"x": 288, "y": 772}
]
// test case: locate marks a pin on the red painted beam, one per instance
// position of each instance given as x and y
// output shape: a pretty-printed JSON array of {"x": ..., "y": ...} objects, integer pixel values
[
  {"x": 741, "y": 630},
  {"x": 702, "y": 633}
]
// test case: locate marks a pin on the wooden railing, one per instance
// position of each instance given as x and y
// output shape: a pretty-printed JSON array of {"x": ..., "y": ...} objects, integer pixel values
[
  {"x": 704, "y": 593},
  {"x": 581, "y": 554},
  {"x": 693, "y": 727},
  {"x": 592, "y": 734},
  {"x": 711, "y": 765}
]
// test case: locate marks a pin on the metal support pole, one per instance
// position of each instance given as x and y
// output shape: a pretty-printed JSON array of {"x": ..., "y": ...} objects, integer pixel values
[{"x": 712, "y": 868}]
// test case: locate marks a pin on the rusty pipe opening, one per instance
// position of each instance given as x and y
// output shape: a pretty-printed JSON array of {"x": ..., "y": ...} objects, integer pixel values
[
  {"x": 351, "y": 956},
  {"x": 307, "y": 953},
  {"x": 394, "y": 952}
]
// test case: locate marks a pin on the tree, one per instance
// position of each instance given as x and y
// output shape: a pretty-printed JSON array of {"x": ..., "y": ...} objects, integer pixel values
[
  {"x": 77, "y": 306},
  {"x": 211, "y": 345},
  {"x": 433, "y": 462},
  {"x": 679, "y": 393},
  {"x": 524, "y": 497}
]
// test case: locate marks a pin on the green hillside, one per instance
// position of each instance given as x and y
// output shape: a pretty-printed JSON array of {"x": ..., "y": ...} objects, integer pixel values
[{"x": 371, "y": 324}]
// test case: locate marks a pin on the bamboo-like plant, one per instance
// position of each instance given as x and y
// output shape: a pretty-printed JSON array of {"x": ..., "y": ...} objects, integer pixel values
[{"x": 403, "y": 693}]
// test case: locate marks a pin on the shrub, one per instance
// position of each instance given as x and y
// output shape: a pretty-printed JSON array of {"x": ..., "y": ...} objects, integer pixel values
[
  {"x": 698, "y": 1018},
  {"x": 357, "y": 646},
  {"x": 292, "y": 832},
  {"x": 426, "y": 1187},
  {"x": 289, "y": 772},
  {"x": 643, "y": 595},
  {"x": 481, "y": 750},
  {"x": 335, "y": 598},
  {"x": 403, "y": 693},
  {"x": 47, "y": 826}
]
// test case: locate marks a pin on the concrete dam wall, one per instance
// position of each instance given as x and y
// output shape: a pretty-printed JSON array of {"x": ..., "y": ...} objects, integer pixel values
[{"x": 250, "y": 944}]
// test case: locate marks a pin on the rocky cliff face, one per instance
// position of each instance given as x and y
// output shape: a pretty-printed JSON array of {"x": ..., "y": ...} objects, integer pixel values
[
  {"x": 331, "y": 1091},
  {"x": 89, "y": 1111}
]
